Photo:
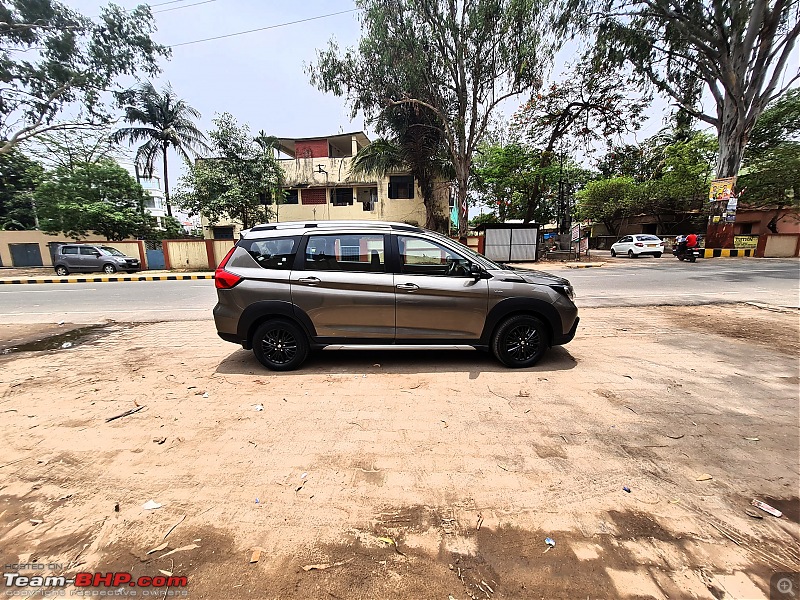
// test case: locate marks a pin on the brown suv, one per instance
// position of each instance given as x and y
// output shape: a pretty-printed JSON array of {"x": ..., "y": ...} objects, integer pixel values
[{"x": 288, "y": 288}]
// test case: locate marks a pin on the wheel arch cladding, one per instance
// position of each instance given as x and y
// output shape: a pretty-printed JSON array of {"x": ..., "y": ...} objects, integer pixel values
[
  {"x": 533, "y": 307},
  {"x": 258, "y": 312}
]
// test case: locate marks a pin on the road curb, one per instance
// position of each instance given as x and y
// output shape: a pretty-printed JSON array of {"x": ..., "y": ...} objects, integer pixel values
[
  {"x": 584, "y": 266},
  {"x": 105, "y": 279}
]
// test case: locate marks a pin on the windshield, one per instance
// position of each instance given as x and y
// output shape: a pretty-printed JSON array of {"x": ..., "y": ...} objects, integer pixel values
[
  {"x": 479, "y": 258},
  {"x": 111, "y": 251}
]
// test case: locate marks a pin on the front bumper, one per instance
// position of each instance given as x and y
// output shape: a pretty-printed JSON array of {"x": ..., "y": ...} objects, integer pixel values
[{"x": 567, "y": 337}]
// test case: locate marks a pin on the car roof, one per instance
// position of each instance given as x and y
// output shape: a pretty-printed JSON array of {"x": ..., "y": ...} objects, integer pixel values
[{"x": 299, "y": 227}]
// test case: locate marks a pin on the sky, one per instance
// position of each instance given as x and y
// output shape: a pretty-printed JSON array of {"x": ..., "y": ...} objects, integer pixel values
[{"x": 261, "y": 78}]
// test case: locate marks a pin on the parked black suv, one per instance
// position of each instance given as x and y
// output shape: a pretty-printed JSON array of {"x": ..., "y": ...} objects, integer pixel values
[{"x": 287, "y": 288}]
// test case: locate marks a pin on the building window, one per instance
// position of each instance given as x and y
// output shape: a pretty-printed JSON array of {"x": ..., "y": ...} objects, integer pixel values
[
  {"x": 314, "y": 196},
  {"x": 342, "y": 197},
  {"x": 401, "y": 187},
  {"x": 223, "y": 233},
  {"x": 290, "y": 197}
]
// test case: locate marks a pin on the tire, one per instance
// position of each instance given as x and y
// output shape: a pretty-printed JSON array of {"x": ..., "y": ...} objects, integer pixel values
[
  {"x": 692, "y": 258},
  {"x": 62, "y": 271},
  {"x": 520, "y": 341},
  {"x": 680, "y": 257},
  {"x": 658, "y": 254},
  {"x": 613, "y": 254},
  {"x": 109, "y": 269},
  {"x": 280, "y": 345},
  {"x": 631, "y": 254}
]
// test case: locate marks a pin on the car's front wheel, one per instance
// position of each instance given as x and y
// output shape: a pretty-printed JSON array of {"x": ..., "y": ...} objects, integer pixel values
[
  {"x": 62, "y": 271},
  {"x": 109, "y": 269},
  {"x": 280, "y": 345},
  {"x": 520, "y": 341}
]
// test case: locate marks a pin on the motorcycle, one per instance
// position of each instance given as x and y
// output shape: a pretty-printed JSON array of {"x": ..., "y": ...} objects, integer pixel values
[{"x": 683, "y": 253}]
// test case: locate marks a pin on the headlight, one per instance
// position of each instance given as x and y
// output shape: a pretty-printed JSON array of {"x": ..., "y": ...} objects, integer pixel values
[
  {"x": 119, "y": 260},
  {"x": 565, "y": 289}
]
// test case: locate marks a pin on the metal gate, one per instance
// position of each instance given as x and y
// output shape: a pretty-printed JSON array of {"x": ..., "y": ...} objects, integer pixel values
[
  {"x": 26, "y": 255},
  {"x": 155, "y": 258},
  {"x": 511, "y": 243}
]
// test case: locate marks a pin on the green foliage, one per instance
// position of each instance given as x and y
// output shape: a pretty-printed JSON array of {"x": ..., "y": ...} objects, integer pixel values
[
  {"x": 458, "y": 60},
  {"x": 68, "y": 147},
  {"x": 606, "y": 201},
  {"x": 771, "y": 176},
  {"x": 51, "y": 57},
  {"x": 737, "y": 50},
  {"x": 171, "y": 229},
  {"x": 162, "y": 121},
  {"x": 230, "y": 185},
  {"x": 100, "y": 197},
  {"x": 509, "y": 177},
  {"x": 19, "y": 176},
  {"x": 489, "y": 217}
]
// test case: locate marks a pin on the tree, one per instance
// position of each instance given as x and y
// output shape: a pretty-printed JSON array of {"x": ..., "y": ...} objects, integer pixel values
[
  {"x": 416, "y": 144},
  {"x": 52, "y": 57},
  {"x": 70, "y": 147},
  {"x": 589, "y": 106},
  {"x": 165, "y": 122},
  {"x": 459, "y": 60},
  {"x": 19, "y": 176},
  {"x": 233, "y": 183},
  {"x": 738, "y": 50},
  {"x": 606, "y": 201},
  {"x": 771, "y": 174},
  {"x": 100, "y": 197}
]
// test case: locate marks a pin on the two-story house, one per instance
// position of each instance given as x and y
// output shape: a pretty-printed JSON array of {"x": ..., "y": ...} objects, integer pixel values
[{"x": 319, "y": 187}]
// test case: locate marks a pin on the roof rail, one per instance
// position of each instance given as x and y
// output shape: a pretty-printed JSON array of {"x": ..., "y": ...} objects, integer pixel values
[{"x": 333, "y": 225}]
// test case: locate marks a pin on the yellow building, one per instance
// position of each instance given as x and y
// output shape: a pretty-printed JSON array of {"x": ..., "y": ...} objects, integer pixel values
[{"x": 319, "y": 187}]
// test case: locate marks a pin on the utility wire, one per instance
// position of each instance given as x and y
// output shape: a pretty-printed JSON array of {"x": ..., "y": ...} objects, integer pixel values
[
  {"x": 182, "y": 6},
  {"x": 219, "y": 37}
]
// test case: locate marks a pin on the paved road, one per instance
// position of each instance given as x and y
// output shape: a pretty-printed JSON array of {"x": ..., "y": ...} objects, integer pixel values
[{"x": 621, "y": 282}]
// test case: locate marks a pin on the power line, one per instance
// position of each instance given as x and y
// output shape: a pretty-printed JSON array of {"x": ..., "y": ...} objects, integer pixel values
[
  {"x": 181, "y": 6},
  {"x": 219, "y": 37}
]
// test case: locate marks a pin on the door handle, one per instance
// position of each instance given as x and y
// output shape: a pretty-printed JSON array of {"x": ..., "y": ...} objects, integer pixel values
[
  {"x": 410, "y": 287},
  {"x": 309, "y": 280}
]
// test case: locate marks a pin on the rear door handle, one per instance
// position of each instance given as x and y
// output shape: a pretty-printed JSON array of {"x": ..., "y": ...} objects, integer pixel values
[
  {"x": 410, "y": 287},
  {"x": 309, "y": 280}
]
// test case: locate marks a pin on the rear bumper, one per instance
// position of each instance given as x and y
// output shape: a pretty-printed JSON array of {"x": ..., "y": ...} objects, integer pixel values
[
  {"x": 229, "y": 337},
  {"x": 567, "y": 337}
]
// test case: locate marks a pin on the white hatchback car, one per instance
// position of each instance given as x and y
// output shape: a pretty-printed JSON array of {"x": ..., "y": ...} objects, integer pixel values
[{"x": 638, "y": 245}]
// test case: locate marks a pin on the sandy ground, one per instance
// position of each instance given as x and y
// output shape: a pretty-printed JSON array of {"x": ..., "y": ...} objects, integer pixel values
[{"x": 414, "y": 475}]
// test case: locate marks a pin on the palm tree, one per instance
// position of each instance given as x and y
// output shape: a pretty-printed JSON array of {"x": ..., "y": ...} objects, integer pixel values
[
  {"x": 413, "y": 143},
  {"x": 164, "y": 120}
]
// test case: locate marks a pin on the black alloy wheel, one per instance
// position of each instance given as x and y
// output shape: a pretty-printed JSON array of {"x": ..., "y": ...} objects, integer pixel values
[
  {"x": 280, "y": 345},
  {"x": 520, "y": 341}
]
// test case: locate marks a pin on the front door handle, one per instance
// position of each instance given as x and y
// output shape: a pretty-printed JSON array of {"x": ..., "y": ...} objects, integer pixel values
[
  {"x": 309, "y": 280},
  {"x": 409, "y": 287}
]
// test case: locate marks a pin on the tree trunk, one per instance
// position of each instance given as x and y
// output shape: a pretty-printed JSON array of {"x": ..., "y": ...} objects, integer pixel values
[
  {"x": 166, "y": 183},
  {"x": 461, "y": 200},
  {"x": 732, "y": 135}
]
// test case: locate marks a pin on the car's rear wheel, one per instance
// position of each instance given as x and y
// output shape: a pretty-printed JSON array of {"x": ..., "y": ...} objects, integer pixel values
[
  {"x": 61, "y": 271},
  {"x": 280, "y": 345},
  {"x": 631, "y": 254},
  {"x": 520, "y": 341},
  {"x": 109, "y": 269},
  {"x": 658, "y": 254},
  {"x": 613, "y": 253}
]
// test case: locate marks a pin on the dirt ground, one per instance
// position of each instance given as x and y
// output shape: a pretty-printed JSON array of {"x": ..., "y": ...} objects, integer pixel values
[{"x": 414, "y": 475}]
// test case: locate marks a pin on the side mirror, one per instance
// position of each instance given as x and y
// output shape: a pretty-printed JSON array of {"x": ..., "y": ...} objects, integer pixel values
[
  {"x": 475, "y": 271},
  {"x": 96, "y": 253}
]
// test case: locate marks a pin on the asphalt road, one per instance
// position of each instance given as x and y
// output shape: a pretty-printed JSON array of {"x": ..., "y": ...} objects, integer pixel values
[{"x": 621, "y": 282}]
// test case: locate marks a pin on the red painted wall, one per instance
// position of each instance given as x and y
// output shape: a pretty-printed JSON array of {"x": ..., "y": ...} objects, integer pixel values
[
  {"x": 311, "y": 148},
  {"x": 313, "y": 196}
]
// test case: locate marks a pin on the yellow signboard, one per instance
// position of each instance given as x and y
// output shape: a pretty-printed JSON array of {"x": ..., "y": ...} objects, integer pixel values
[
  {"x": 721, "y": 189},
  {"x": 745, "y": 241}
]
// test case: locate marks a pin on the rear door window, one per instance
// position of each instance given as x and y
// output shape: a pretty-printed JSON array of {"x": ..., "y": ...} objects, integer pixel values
[
  {"x": 87, "y": 251},
  {"x": 360, "y": 252},
  {"x": 69, "y": 250}
]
